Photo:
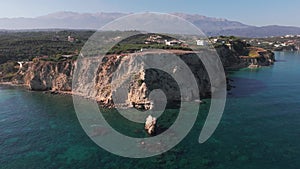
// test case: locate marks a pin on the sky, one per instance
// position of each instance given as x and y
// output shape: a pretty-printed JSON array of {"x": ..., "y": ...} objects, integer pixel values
[{"x": 252, "y": 12}]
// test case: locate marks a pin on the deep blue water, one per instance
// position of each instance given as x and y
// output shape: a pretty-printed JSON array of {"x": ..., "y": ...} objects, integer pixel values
[{"x": 260, "y": 128}]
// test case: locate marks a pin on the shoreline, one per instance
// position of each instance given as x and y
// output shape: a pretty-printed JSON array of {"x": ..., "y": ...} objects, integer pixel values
[
  {"x": 62, "y": 93},
  {"x": 70, "y": 93},
  {"x": 12, "y": 84},
  {"x": 43, "y": 91}
]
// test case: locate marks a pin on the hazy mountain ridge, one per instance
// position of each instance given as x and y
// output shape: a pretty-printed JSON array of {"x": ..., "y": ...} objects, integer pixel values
[
  {"x": 210, "y": 26},
  {"x": 264, "y": 31}
]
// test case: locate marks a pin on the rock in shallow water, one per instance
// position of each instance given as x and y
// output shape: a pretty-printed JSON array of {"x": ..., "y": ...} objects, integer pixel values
[{"x": 150, "y": 125}]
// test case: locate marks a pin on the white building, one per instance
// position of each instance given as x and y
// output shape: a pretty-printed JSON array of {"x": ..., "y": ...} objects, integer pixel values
[
  {"x": 71, "y": 39},
  {"x": 201, "y": 42},
  {"x": 172, "y": 42}
]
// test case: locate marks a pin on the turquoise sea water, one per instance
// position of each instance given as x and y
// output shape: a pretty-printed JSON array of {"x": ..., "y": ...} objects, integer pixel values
[{"x": 260, "y": 128}]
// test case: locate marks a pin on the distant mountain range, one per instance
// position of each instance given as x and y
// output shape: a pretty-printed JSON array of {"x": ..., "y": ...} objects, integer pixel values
[{"x": 210, "y": 26}]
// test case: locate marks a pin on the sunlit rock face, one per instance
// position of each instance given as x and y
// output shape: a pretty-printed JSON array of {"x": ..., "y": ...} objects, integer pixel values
[
  {"x": 123, "y": 80},
  {"x": 44, "y": 75},
  {"x": 150, "y": 125}
]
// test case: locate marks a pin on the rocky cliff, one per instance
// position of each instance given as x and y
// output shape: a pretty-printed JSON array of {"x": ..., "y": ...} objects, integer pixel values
[
  {"x": 99, "y": 81},
  {"x": 46, "y": 75}
]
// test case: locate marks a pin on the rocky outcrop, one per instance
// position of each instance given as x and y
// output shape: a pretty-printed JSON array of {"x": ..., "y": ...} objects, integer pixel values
[
  {"x": 258, "y": 57},
  {"x": 150, "y": 125},
  {"x": 240, "y": 56},
  {"x": 124, "y": 75},
  {"x": 125, "y": 81},
  {"x": 43, "y": 75}
]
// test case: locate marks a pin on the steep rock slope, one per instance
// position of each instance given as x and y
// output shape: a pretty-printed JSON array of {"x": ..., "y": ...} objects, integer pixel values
[
  {"x": 132, "y": 80},
  {"x": 45, "y": 75}
]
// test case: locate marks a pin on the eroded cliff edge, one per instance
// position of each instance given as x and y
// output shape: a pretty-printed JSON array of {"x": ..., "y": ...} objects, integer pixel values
[
  {"x": 46, "y": 75},
  {"x": 57, "y": 76}
]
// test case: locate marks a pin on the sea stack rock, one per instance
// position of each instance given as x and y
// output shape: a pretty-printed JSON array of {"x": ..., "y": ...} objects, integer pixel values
[{"x": 150, "y": 125}]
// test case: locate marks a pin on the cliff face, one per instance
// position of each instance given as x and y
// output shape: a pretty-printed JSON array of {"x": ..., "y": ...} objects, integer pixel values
[
  {"x": 258, "y": 57},
  {"x": 43, "y": 75},
  {"x": 237, "y": 56},
  {"x": 128, "y": 81},
  {"x": 266, "y": 58},
  {"x": 123, "y": 74}
]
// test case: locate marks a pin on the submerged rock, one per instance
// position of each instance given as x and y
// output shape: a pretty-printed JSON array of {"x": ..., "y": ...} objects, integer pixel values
[{"x": 150, "y": 125}]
